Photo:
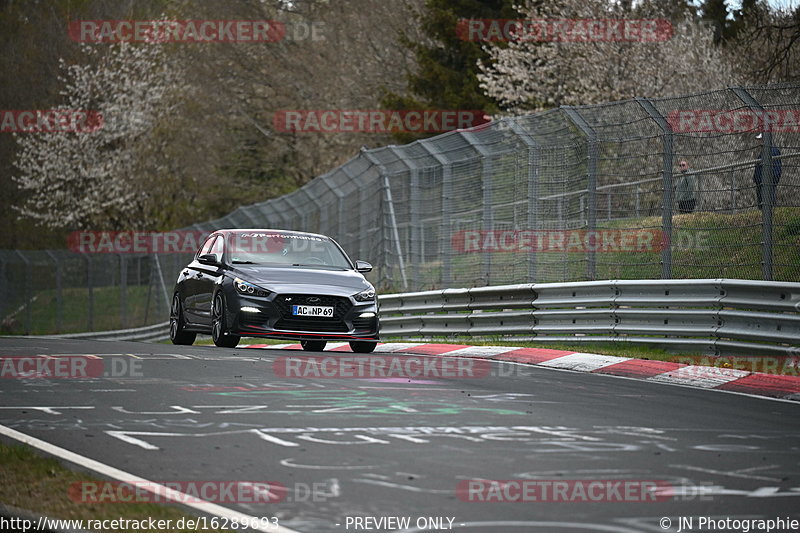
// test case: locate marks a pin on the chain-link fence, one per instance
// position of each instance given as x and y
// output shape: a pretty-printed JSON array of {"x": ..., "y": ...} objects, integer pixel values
[{"x": 679, "y": 187}]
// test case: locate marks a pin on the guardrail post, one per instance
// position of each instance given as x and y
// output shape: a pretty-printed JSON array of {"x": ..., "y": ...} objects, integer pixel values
[
  {"x": 5, "y": 297},
  {"x": 305, "y": 214},
  {"x": 767, "y": 184},
  {"x": 337, "y": 232},
  {"x": 123, "y": 291},
  {"x": 387, "y": 196},
  {"x": 668, "y": 196},
  {"x": 363, "y": 237},
  {"x": 59, "y": 300},
  {"x": 27, "y": 292},
  {"x": 167, "y": 297},
  {"x": 446, "y": 231},
  {"x": 300, "y": 216},
  {"x": 90, "y": 291},
  {"x": 533, "y": 188},
  {"x": 486, "y": 186},
  {"x": 415, "y": 258},
  {"x": 591, "y": 175}
]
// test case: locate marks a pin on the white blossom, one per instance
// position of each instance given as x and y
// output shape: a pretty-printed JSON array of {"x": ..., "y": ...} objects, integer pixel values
[
  {"x": 101, "y": 179},
  {"x": 532, "y": 75}
]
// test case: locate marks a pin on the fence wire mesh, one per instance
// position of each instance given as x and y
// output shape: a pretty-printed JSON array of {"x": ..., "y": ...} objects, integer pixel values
[{"x": 571, "y": 194}]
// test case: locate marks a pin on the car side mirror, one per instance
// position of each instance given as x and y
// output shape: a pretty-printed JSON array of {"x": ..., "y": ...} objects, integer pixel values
[
  {"x": 363, "y": 266},
  {"x": 209, "y": 259}
]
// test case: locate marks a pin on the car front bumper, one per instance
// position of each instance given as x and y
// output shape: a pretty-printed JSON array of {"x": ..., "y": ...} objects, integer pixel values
[{"x": 271, "y": 316}]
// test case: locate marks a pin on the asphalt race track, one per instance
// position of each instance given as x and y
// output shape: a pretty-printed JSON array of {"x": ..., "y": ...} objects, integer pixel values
[{"x": 347, "y": 448}]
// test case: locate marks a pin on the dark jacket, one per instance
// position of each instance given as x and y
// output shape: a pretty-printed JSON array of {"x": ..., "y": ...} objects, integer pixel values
[{"x": 776, "y": 167}]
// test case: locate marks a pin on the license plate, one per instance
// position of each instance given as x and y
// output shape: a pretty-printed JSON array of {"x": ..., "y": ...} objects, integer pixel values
[{"x": 312, "y": 310}]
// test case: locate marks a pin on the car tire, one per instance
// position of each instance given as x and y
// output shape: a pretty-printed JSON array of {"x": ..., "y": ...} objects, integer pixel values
[
  {"x": 218, "y": 326},
  {"x": 313, "y": 346},
  {"x": 363, "y": 346},
  {"x": 177, "y": 333}
]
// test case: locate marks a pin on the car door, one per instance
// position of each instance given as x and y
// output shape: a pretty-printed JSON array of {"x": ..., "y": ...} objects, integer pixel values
[
  {"x": 206, "y": 279},
  {"x": 192, "y": 283}
]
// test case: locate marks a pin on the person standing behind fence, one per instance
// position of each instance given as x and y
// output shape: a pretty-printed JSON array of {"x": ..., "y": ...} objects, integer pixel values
[
  {"x": 686, "y": 189},
  {"x": 776, "y": 173}
]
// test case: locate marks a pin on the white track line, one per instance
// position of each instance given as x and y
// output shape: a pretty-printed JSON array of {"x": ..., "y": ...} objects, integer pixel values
[{"x": 155, "y": 488}]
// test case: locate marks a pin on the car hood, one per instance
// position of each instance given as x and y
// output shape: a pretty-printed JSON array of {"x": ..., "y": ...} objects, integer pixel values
[{"x": 303, "y": 280}]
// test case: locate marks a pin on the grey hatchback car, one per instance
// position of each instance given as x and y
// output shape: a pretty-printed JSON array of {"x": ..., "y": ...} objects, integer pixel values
[{"x": 278, "y": 284}]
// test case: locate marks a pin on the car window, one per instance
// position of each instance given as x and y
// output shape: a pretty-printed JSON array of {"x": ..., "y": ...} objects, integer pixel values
[
  {"x": 206, "y": 248},
  {"x": 287, "y": 249},
  {"x": 218, "y": 247}
]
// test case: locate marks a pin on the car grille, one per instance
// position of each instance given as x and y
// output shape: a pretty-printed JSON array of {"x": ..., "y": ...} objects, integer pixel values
[
  {"x": 341, "y": 306},
  {"x": 304, "y": 324}
]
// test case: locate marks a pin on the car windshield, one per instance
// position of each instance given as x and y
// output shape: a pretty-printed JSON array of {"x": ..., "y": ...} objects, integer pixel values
[{"x": 286, "y": 249}]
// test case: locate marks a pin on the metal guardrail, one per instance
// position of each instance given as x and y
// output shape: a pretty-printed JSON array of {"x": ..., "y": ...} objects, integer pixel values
[{"x": 718, "y": 316}]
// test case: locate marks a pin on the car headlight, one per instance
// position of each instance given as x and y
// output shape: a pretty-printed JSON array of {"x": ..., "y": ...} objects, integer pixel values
[
  {"x": 365, "y": 296},
  {"x": 245, "y": 287}
]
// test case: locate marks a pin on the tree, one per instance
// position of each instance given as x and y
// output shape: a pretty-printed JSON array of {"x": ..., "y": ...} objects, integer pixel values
[
  {"x": 534, "y": 74},
  {"x": 353, "y": 57},
  {"x": 446, "y": 72},
  {"x": 104, "y": 178},
  {"x": 715, "y": 13},
  {"x": 768, "y": 37}
]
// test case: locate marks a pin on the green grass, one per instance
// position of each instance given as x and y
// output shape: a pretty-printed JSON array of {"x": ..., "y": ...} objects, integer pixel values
[
  {"x": 705, "y": 245},
  {"x": 42, "y": 485},
  {"x": 106, "y": 307}
]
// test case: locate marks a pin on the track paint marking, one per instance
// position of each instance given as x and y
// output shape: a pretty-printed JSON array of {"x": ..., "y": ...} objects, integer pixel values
[
  {"x": 408, "y": 488},
  {"x": 743, "y": 473},
  {"x": 48, "y": 410},
  {"x": 479, "y": 351},
  {"x": 155, "y": 488},
  {"x": 397, "y": 346},
  {"x": 130, "y": 437},
  {"x": 700, "y": 376},
  {"x": 291, "y": 464},
  {"x": 175, "y": 355},
  {"x": 584, "y": 362}
]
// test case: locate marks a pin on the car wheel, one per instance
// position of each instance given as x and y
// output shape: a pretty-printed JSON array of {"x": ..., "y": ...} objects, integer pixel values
[
  {"x": 177, "y": 334},
  {"x": 363, "y": 346},
  {"x": 218, "y": 326},
  {"x": 313, "y": 346}
]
